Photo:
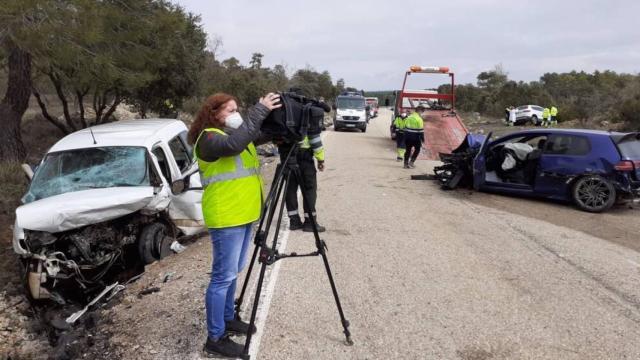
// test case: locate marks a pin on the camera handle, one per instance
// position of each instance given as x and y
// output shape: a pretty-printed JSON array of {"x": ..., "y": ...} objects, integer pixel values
[
  {"x": 268, "y": 255},
  {"x": 306, "y": 114}
]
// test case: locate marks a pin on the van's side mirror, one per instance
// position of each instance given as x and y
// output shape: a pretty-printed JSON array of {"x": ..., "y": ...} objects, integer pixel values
[
  {"x": 178, "y": 186},
  {"x": 28, "y": 170}
]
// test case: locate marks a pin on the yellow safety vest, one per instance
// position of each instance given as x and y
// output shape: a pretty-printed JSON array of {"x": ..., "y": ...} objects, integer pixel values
[
  {"x": 232, "y": 188},
  {"x": 414, "y": 123},
  {"x": 318, "y": 152},
  {"x": 399, "y": 123},
  {"x": 553, "y": 111},
  {"x": 545, "y": 113}
]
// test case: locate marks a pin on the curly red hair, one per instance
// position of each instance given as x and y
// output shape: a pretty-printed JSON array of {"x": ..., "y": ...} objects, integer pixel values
[{"x": 206, "y": 117}]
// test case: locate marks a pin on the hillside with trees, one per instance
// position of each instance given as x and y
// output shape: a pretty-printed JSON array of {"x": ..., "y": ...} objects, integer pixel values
[
  {"x": 249, "y": 82},
  {"x": 586, "y": 97},
  {"x": 151, "y": 55}
]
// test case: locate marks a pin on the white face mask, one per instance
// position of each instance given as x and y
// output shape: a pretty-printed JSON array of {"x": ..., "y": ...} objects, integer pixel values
[{"x": 233, "y": 121}]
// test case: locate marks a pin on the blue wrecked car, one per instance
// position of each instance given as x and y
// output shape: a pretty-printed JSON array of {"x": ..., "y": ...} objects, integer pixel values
[{"x": 593, "y": 169}]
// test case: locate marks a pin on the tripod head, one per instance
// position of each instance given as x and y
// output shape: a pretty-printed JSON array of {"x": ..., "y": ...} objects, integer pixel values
[{"x": 289, "y": 155}]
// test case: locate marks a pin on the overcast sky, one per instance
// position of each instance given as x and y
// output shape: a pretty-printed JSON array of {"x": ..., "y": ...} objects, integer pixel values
[{"x": 371, "y": 43}]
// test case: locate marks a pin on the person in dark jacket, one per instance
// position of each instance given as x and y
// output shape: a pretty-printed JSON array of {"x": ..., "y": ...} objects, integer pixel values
[
  {"x": 231, "y": 202},
  {"x": 309, "y": 148}
]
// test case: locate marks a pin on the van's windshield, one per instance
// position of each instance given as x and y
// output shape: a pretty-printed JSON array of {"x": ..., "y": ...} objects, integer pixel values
[
  {"x": 351, "y": 103},
  {"x": 82, "y": 169}
]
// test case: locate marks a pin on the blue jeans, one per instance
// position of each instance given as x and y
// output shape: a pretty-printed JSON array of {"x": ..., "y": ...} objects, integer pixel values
[{"x": 230, "y": 246}]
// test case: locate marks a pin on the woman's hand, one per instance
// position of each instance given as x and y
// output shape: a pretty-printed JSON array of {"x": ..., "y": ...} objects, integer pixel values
[{"x": 271, "y": 101}]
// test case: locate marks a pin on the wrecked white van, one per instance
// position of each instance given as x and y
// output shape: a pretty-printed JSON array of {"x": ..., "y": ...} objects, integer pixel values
[{"x": 103, "y": 198}]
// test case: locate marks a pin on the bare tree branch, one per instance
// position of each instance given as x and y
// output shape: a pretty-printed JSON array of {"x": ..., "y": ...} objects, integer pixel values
[
  {"x": 102, "y": 104},
  {"x": 95, "y": 104},
  {"x": 57, "y": 84},
  {"x": 46, "y": 114},
  {"x": 214, "y": 45},
  {"x": 80, "y": 96},
  {"x": 116, "y": 101}
]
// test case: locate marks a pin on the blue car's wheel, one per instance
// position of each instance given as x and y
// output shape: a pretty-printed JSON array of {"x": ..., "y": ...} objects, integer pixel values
[{"x": 594, "y": 193}]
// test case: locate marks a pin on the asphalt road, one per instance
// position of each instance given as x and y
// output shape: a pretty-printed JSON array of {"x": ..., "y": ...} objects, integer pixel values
[{"x": 428, "y": 274}]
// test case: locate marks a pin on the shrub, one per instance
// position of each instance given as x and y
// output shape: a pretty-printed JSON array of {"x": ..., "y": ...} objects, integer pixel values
[
  {"x": 14, "y": 185},
  {"x": 630, "y": 113}
]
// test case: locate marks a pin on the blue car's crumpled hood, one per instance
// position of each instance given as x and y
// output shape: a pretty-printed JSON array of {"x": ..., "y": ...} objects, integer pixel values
[{"x": 471, "y": 141}]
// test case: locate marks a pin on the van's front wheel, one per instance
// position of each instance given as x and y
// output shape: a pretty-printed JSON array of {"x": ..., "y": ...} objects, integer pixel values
[{"x": 154, "y": 243}]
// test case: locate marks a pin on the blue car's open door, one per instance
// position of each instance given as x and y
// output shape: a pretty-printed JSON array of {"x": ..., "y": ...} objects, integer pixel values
[{"x": 479, "y": 164}]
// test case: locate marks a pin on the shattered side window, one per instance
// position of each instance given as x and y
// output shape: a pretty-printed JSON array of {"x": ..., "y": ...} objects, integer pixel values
[
  {"x": 185, "y": 142},
  {"x": 162, "y": 162},
  {"x": 180, "y": 153},
  {"x": 91, "y": 168}
]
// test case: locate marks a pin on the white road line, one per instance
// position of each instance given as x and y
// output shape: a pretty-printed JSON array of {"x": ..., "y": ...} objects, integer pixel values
[
  {"x": 267, "y": 295},
  {"x": 633, "y": 263}
]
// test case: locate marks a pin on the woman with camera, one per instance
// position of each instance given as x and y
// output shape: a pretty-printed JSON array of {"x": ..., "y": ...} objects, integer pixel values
[{"x": 231, "y": 202}]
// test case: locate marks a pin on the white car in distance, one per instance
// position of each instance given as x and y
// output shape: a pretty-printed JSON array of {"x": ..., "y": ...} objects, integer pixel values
[{"x": 528, "y": 114}]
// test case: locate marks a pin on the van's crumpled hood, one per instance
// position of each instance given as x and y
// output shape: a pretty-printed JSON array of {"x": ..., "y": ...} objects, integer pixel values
[{"x": 76, "y": 209}]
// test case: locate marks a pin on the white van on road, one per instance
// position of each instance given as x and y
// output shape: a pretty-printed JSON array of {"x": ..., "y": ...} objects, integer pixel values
[{"x": 350, "y": 112}]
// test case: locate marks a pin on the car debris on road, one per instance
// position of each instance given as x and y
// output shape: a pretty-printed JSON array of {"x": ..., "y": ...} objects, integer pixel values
[{"x": 113, "y": 288}]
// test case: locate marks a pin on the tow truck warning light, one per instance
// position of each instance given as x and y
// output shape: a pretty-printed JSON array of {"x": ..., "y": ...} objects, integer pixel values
[{"x": 429, "y": 69}]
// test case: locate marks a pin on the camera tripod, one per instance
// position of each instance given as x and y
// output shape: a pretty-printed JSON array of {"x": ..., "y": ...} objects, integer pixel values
[{"x": 269, "y": 255}]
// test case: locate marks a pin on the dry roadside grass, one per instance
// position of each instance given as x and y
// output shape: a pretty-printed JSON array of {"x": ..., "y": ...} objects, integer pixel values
[
  {"x": 19, "y": 332},
  {"x": 13, "y": 187},
  {"x": 38, "y": 135}
]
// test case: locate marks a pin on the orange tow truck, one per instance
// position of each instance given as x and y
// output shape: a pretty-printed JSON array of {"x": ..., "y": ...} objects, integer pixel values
[{"x": 443, "y": 128}]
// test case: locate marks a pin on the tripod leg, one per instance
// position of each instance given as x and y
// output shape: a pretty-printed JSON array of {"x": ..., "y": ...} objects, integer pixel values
[
  {"x": 268, "y": 211},
  {"x": 266, "y": 258},
  {"x": 322, "y": 247},
  {"x": 245, "y": 283},
  {"x": 256, "y": 301},
  {"x": 343, "y": 320}
]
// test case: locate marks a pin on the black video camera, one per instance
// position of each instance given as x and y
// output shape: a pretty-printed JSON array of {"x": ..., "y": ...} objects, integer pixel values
[{"x": 298, "y": 117}]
